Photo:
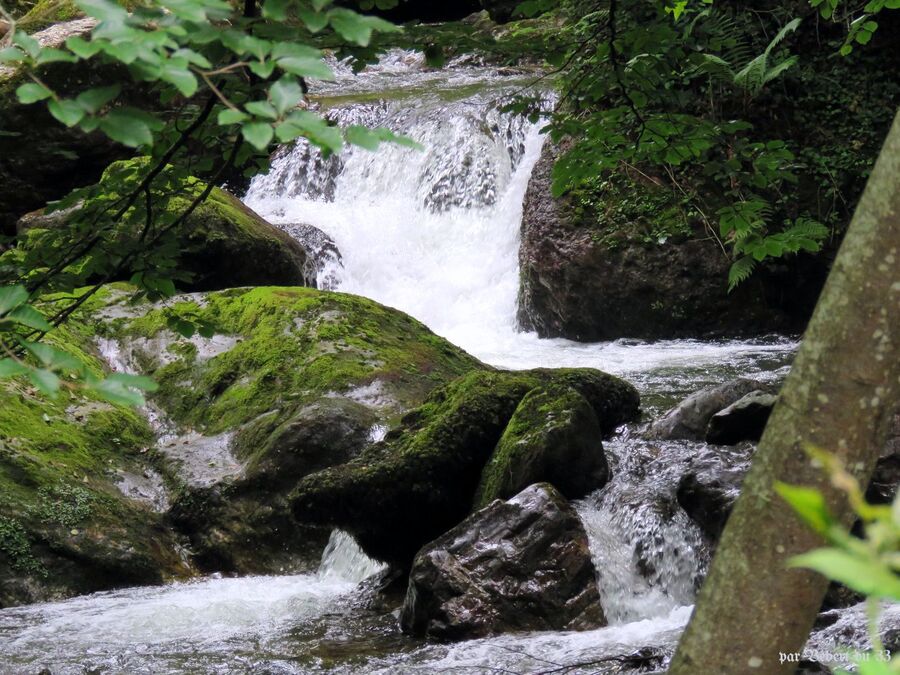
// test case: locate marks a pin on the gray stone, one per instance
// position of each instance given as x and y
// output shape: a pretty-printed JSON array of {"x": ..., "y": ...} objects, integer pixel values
[
  {"x": 743, "y": 420},
  {"x": 518, "y": 565}
]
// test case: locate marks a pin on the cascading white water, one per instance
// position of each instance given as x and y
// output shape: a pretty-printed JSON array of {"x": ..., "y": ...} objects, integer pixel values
[{"x": 434, "y": 233}]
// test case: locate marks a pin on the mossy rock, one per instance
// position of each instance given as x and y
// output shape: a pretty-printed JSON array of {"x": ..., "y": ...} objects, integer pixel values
[
  {"x": 292, "y": 380},
  {"x": 44, "y": 13},
  {"x": 65, "y": 526},
  {"x": 221, "y": 244},
  {"x": 554, "y": 437},
  {"x": 402, "y": 493}
]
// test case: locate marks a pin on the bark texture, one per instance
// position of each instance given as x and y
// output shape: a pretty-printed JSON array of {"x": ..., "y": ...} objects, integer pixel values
[{"x": 841, "y": 396}]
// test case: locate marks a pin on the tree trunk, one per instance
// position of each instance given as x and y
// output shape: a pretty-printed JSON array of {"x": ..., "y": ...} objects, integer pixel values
[{"x": 839, "y": 396}]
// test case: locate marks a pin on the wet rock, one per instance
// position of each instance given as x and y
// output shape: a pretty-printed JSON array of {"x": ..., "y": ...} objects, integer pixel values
[
  {"x": 518, "y": 565},
  {"x": 743, "y": 420},
  {"x": 709, "y": 488},
  {"x": 886, "y": 478},
  {"x": 294, "y": 380},
  {"x": 323, "y": 256},
  {"x": 67, "y": 526},
  {"x": 420, "y": 481},
  {"x": 625, "y": 262},
  {"x": 222, "y": 244},
  {"x": 690, "y": 419},
  {"x": 554, "y": 437}
]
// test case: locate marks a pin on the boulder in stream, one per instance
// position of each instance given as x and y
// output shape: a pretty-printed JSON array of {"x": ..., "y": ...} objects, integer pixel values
[
  {"x": 420, "y": 481},
  {"x": 689, "y": 419},
  {"x": 743, "y": 420},
  {"x": 222, "y": 244},
  {"x": 553, "y": 436},
  {"x": 519, "y": 565}
]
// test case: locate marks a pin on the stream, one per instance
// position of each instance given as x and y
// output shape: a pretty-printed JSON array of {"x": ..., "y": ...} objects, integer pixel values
[{"x": 435, "y": 233}]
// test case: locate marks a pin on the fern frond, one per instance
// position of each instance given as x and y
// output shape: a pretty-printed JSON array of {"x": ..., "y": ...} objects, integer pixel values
[
  {"x": 788, "y": 28},
  {"x": 740, "y": 271},
  {"x": 777, "y": 70}
]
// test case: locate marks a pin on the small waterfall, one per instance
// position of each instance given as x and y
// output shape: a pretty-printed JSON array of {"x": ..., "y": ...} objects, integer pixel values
[{"x": 343, "y": 559}]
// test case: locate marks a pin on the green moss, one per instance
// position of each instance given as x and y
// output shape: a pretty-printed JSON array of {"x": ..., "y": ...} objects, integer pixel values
[
  {"x": 400, "y": 494},
  {"x": 59, "y": 459},
  {"x": 291, "y": 345},
  {"x": 619, "y": 209},
  {"x": 47, "y": 12},
  {"x": 16, "y": 547}
]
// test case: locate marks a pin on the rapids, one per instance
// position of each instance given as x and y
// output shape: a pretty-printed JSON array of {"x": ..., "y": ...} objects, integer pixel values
[{"x": 433, "y": 232}]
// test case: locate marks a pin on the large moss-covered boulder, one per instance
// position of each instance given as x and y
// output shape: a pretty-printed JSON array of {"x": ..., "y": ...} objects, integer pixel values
[
  {"x": 422, "y": 479},
  {"x": 81, "y": 504},
  {"x": 287, "y": 382},
  {"x": 221, "y": 244},
  {"x": 553, "y": 436}
]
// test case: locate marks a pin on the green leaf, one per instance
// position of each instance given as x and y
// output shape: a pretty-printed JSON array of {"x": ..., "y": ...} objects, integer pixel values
[
  {"x": 45, "y": 381},
  {"x": 12, "y": 368},
  {"x": 181, "y": 78},
  {"x": 11, "y": 297},
  {"x": 51, "y": 357},
  {"x": 92, "y": 100},
  {"x": 141, "y": 382},
  {"x": 229, "y": 116},
  {"x": 103, "y": 10},
  {"x": 285, "y": 94},
  {"x": 861, "y": 574},
  {"x": 11, "y": 55},
  {"x": 126, "y": 128},
  {"x": 306, "y": 67},
  {"x": 809, "y": 504},
  {"x": 262, "y": 109},
  {"x": 32, "y": 92},
  {"x": 276, "y": 10},
  {"x": 31, "y": 46},
  {"x": 66, "y": 111},
  {"x": 27, "y": 315},
  {"x": 82, "y": 47},
  {"x": 258, "y": 134}
]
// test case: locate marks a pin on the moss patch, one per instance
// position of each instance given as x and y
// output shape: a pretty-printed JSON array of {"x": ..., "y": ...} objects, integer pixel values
[
  {"x": 290, "y": 346},
  {"x": 400, "y": 494},
  {"x": 62, "y": 520}
]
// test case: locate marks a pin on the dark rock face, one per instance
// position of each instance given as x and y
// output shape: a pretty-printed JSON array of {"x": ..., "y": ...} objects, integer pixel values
[
  {"x": 886, "y": 478},
  {"x": 518, "y": 565},
  {"x": 743, "y": 420},
  {"x": 591, "y": 274},
  {"x": 553, "y": 436},
  {"x": 399, "y": 494},
  {"x": 40, "y": 159},
  {"x": 708, "y": 491},
  {"x": 690, "y": 418},
  {"x": 500, "y": 10},
  {"x": 246, "y": 524}
]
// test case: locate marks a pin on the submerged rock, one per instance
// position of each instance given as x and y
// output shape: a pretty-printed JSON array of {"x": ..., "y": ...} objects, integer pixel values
[
  {"x": 421, "y": 480},
  {"x": 553, "y": 436},
  {"x": 519, "y": 565},
  {"x": 690, "y": 419},
  {"x": 743, "y": 420}
]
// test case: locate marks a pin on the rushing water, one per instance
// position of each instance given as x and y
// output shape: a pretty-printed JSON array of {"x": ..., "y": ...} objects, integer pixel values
[{"x": 433, "y": 232}]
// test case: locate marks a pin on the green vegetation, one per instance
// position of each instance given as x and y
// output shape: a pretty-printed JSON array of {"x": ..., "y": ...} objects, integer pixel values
[
  {"x": 865, "y": 564},
  {"x": 290, "y": 345},
  {"x": 725, "y": 108}
]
